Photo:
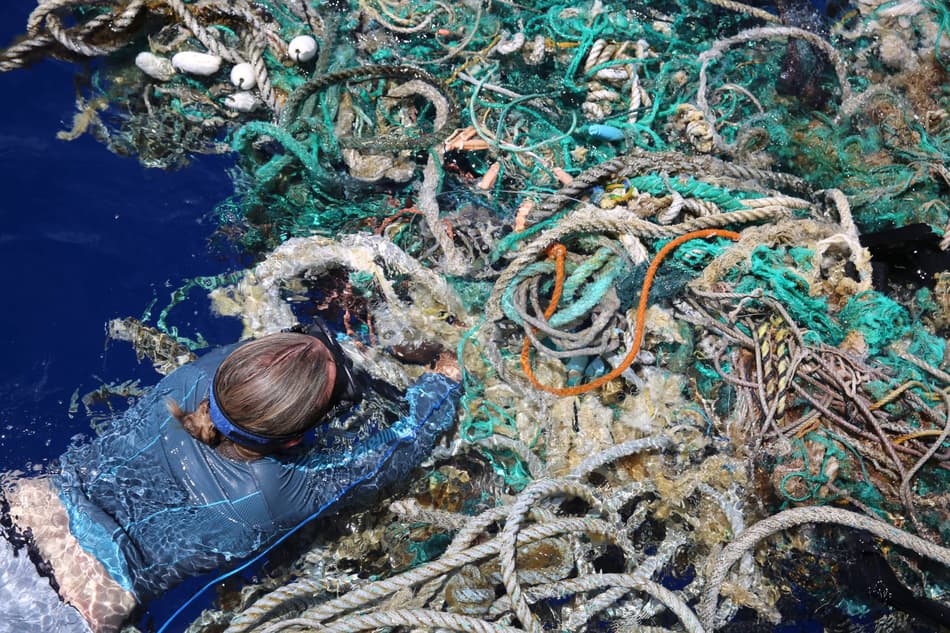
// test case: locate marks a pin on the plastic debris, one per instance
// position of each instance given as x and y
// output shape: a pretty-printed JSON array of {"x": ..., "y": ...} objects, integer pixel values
[{"x": 673, "y": 245}]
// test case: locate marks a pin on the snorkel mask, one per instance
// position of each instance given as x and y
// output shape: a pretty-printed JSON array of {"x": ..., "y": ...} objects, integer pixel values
[{"x": 346, "y": 390}]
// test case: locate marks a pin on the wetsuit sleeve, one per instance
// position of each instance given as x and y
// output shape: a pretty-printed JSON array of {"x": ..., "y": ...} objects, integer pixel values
[{"x": 354, "y": 472}]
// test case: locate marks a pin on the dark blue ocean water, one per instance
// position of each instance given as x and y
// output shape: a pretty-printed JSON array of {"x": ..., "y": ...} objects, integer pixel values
[{"x": 86, "y": 236}]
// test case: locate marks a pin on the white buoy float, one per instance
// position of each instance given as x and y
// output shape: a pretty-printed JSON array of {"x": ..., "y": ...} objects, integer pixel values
[
  {"x": 302, "y": 48},
  {"x": 195, "y": 63},
  {"x": 155, "y": 66},
  {"x": 242, "y": 76}
]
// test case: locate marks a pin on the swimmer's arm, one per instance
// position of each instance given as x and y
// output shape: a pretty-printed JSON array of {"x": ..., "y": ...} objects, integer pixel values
[{"x": 388, "y": 456}]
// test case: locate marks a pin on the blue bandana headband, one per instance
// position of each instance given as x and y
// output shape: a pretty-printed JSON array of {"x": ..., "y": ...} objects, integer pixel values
[{"x": 240, "y": 435}]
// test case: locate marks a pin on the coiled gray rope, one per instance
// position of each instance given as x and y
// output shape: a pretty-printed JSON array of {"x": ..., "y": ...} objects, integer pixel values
[
  {"x": 591, "y": 219},
  {"x": 400, "y": 617},
  {"x": 379, "y": 590},
  {"x": 509, "y": 536},
  {"x": 612, "y": 454},
  {"x": 797, "y": 516},
  {"x": 202, "y": 34},
  {"x": 72, "y": 39}
]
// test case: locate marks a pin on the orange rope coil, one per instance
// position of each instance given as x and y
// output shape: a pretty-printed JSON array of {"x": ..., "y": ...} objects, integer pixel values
[{"x": 559, "y": 252}]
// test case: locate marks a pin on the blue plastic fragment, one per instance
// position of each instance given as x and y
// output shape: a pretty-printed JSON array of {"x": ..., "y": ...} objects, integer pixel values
[{"x": 605, "y": 132}]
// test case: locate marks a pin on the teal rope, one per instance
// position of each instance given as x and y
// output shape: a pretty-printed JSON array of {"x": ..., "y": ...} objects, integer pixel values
[
  {"x": 591, "y": 298},
  {"x": 585, "y": 270},
  {"x": 290, "y": 144}
]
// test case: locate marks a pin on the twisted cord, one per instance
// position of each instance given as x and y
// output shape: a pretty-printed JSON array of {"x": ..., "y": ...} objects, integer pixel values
[
  {"x": 640, "y": 161},
  {"x": 395, "y": 28},
  {"x": 509, "y": 537},
  {"x": 744, "y": 172},
  {"x": 449, "y": 562},
  {"x": 14, "y": 57},
  {"x": 644, "y": 570},
  {"x": 256, "y": 48},
  {"x": 591, "y": 219},
  {"x": 669, "y": 599},
  {"x": 203, "y": 35},
  {"x": 61, "y": 34},
  {"x": 797, "y": 516},
  {"x": 429, "y": 205},
  {"x": 429, "y": 618},
  {"x": 908, "y": 477},
  {"x": 408, "y": 509},
  {"x": 612, "y": 454},
  {"x": 302, "y": 588},
  {"x": 571, "y": 192},
  {"x": 739, "y": 7},
  {"x": 590, "y": 609}
]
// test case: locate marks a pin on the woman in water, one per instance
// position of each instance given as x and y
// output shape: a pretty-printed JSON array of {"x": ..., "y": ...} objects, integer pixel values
[{"x": 213, "y": 465}]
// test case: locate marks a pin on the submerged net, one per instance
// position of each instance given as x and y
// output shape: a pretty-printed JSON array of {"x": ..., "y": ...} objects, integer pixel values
[{"x": 645, "y": 230}]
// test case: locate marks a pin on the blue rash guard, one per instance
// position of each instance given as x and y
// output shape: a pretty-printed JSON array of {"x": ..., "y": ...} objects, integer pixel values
[{"x": 156, "y": 506}]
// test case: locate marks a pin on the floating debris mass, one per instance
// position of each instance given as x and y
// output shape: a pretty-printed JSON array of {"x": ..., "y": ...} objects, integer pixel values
[{"x": 673, "y": 244}]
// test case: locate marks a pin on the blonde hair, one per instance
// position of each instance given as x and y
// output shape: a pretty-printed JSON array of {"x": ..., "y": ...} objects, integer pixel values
[{"x": 279, "y": 384}]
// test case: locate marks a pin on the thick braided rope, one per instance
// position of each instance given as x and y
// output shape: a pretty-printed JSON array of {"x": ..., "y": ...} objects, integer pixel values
[
  {"x": 256, "y": 48},
  {"x": 201, "y": 33},
  {"x": 797, "y": 516},
  {"x": 445, "y": 565},
  {"x": 61, "y": 34},
  {"x": 639, "y": 161},
  {"x": 739, "y": 7},
  {"x": 429, "y": 205},
  {"x": 301, "y": 588},
  {"x": 13, "y": 58},
  {"x": 612, "y": 454},
  {"x": 612, "y": 169},
  {"x": 777, "y": 178},
  {"x": 509, "y": 537},
  {"x": 591, "y": 608},
  {"x": 593, "y": 582},
  {"x": 591, "y": 219},
  {"x": 120, "y": 21},
  {"x": 428, "y": 618}
]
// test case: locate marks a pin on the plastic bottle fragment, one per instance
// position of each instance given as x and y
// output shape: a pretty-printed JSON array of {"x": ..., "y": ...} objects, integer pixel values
[{"x": 155, "y": 66}]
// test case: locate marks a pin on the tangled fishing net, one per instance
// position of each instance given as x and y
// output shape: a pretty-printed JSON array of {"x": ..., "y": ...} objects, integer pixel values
[{"x": 693, "y": 397}]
